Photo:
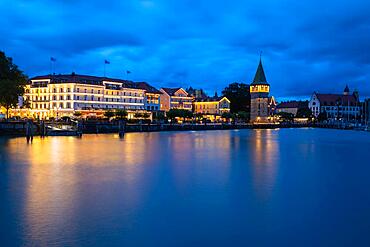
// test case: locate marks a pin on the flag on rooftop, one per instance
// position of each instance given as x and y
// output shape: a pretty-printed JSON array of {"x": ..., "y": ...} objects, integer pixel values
[
  {"x": 106, "y": 62},
  {"x": 128, "y": 72},
  {"x": 53, "y": 59}
]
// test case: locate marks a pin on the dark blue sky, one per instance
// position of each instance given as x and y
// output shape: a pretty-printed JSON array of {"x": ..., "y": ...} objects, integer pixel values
[{"x": 307, "y": 45}]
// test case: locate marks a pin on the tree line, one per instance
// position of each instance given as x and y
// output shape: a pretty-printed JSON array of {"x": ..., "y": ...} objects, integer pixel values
[{"x": 12, "y": 83}]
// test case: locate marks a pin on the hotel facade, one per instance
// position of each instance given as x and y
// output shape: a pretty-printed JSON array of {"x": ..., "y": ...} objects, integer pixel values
[{"x": 63, "y": 95}]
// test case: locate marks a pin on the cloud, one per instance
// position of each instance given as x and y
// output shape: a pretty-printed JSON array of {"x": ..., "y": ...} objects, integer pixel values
[{"x": 307, "y": 46}]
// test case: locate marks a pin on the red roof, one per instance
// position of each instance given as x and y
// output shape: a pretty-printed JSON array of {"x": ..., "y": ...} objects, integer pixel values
[{"x": 333, "y": 99}]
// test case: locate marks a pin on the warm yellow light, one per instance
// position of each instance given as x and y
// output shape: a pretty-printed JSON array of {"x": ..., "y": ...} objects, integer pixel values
[{"x": 259, "y": 88}]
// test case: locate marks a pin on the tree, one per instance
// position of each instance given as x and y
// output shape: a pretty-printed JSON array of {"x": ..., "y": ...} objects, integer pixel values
[
  {"x": 286, "y": 116},
  {"x": 120, "y": 114},
  {"x": 242, "y": 115},
  {"x": 146, "y": 115},
  {"x": 159, "y": 116},
  {"x": 109, "y": 114},
  {"x": 12, "y": 82},
  {"x": 181, "y": 113},
  {"x": 239, "y": 96},
  {"x": 228, "y": 115},
  {"x": 138, "y": 115},
  {"x": 77, "y": 114},
  {"x": 198, "y": 116},
  {"x": 323, "y": 116},
  {"x": 304, "y": 113},
  {"x": 172, "y": 114}
]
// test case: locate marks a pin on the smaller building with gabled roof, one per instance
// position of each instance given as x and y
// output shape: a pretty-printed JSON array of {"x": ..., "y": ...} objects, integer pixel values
[
  {"x": 291, "y": 106},
  {"x": 212, "y": 105},
  {"x": 175, "y": 98}
]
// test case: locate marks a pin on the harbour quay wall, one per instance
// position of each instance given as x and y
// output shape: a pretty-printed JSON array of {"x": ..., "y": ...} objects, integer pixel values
[{"x": 19, "y": 128}]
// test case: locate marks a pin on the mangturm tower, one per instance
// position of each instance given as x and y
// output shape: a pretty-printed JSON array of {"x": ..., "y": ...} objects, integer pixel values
[{"x": 259, "y": 90}]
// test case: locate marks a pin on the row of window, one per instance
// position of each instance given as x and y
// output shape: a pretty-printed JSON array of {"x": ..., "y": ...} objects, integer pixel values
[
  {"x": 107, "y": 106},
  {"x": 91, "y": 98},
  {"x": 152, "y": 108},
  {"x": 97, "y": 91},
  {"x": 68, "y": 105},
  {"x": 341, "y": 108}
]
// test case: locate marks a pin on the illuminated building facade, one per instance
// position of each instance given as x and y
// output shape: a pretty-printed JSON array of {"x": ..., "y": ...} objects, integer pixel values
[
  {"x": 175, "y": 98},
  {"x": 152, "y": 100},
  {"x": 62, "y": 95},
  {"x": 259, "y": 90},
  {"x": 212, "y": 105},
  {"x": 344, "y": 106}
]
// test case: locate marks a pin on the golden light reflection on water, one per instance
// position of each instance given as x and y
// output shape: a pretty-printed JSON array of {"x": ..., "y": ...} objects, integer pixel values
[
  {"x": 265, "y": 160},
  {"x": 59, "y": 169},
  {"x": 195, "y": 152},
  {"x": 62, "y": 173}
]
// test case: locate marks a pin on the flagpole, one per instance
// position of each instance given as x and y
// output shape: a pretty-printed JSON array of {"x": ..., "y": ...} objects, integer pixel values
[{"x": 104, "y": 68}]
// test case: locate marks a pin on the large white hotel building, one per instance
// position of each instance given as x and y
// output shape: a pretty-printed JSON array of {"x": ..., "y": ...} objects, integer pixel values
[{"x": 63, "y": 95}]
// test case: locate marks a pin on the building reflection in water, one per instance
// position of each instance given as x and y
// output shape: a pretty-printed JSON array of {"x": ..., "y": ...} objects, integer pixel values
[
  {"x": 198, "y": 157},
  {"x": 70, "y": 183},
  {"x": 64, "y": 175},
  {"x": 264, "y": 162}
]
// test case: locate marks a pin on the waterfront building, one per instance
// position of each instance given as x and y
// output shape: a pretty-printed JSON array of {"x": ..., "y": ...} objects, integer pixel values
[
  {"x": 291, "y": 106},
  {"x": 259, "y": 90},
  {"x": 152, "y": 99},
  {"x": 212, "y": 107},
  {"x": 366, "y": 111},
  {"x": 63, "y": 95},
  {"x": 344, "y": 106},
  {"x": 175, "y": 98}
]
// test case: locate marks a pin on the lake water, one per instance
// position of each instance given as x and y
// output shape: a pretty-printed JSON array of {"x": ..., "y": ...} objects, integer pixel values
[{"x": 288, "y": 187}]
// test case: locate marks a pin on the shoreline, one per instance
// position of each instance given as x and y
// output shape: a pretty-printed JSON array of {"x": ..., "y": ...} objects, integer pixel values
[{"x": 18, "y": 130}]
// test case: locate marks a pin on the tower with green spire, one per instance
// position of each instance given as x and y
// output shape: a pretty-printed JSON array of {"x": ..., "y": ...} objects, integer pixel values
[{"x": 259, "y": 90}]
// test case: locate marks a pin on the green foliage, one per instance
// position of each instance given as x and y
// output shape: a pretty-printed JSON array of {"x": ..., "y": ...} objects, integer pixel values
[
  {"x": 239, "y": 96},
  {"x": 12, "y": 82},
  {"x": 120, "y": 114},
  {"x": 242, "y": 115},
  {"x": 138, "y": 115},
  {"x": 198, "y": 116},
  {"x": 109, "y": 114},
  {"x": 173, "y": 113},
  {"x": 304, "y": 113},
  {"x": 227, "y": 115},
  {"x": 65, "y": 118},
  {"x": 286, "y": 116},
  {"x": 159, "y": 115},
  {"x": 77, "y": 114},
  {"x": 323, "y": 116}
]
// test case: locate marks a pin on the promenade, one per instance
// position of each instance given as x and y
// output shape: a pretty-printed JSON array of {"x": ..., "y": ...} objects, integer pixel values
[{"x": 97, "y": 127}]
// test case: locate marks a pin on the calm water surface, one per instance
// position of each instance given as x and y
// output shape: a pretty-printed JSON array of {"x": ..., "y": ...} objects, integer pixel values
[{"x": 289, "y": 187}]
